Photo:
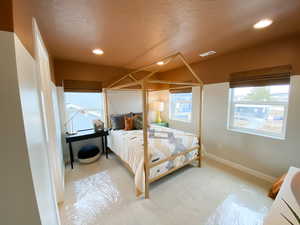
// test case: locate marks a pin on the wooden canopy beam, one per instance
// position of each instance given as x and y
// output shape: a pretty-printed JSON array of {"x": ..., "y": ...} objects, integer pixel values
[
  {"x": 149, "y": 75},
  {"x": 170, "y": 57},
  {"x": 152, "y": 64},
  {"x": 117, "y": 81},
  {"x": 183, "y": 87},
  {"x": 127, "y": 85},
  {"x": 145, "y": 137},
  {"x": 190, "y": 68},
  {"x": 132, "y": 77},
  {"x": 173, "y": 82}
]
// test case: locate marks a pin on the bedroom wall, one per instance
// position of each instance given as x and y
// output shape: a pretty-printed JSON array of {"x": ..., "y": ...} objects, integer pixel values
[
  {"x": 124, "y": 101},
  {"x": 269, "y": 156},
  {"x": 71, "y": 70},
  {"x": 36, "y": 141},
  {"x": 25, "y": 183}
]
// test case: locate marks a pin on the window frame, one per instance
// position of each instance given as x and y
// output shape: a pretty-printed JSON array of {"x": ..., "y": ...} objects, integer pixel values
[
  {"x": 171, "y": 114},
  {"x": 68, "y": 126},
  {"x": 230, "y": 118}
]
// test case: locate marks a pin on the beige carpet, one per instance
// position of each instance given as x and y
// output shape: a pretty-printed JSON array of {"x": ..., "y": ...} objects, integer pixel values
[{"x": 103, "y": 193}]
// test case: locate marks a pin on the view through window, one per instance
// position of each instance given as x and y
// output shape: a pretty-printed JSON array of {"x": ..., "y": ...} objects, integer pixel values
[
  {"x": 82, "y": 108},
  {"x": 181, "y": 107},
  {"x": 259, "y": 110}
]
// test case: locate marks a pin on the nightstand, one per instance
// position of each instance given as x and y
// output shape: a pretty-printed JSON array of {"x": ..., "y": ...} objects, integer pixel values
[{"x": 163, "y": 124}]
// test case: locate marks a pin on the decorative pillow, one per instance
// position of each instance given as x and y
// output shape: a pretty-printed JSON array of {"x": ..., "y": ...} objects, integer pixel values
[
  {"x": 129, "y": 114},
  {"x": 128, "y": 123},
  {"x": 138, "y": 122},
  {"x": 117, "y": 122}
]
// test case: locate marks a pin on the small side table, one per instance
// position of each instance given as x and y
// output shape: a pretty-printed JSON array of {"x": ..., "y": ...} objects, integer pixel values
[
  {"x": 163, "y": 124},
  {"x": 87, "y": 134}
]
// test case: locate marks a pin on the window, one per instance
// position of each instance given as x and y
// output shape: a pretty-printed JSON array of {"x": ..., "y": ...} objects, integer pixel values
[
  {"x": 181, "y": 107},
  {"x": 82, "y": 108},
  {"x": 259, "y": 110}
]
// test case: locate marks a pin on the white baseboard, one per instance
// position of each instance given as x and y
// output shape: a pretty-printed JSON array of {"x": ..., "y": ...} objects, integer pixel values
[{"x": 241, "y": 168}]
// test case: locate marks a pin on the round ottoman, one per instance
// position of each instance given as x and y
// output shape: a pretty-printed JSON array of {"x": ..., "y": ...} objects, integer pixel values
[{"x": 88, "y": 154}]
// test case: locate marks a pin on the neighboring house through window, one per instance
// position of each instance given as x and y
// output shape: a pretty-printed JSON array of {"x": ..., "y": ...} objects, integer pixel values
[
  {"x": 181, "y": 106},
  {"x": 259, "y": 110}
]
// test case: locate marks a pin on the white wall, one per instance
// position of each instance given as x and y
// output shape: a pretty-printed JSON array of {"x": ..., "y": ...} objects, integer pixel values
[
  {"x": 60, "y": 174},
  {"x": 48, "y": 102},
  {"x": 34, "y": 130},
  {"x": 124, "y": 101},
  {"x": 269, "y": 156},
  {"x": 25, "y": 190}
]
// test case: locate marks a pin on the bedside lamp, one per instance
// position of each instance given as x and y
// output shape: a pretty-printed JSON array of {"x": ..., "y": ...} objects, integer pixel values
[{"x": 159, "y": 107}]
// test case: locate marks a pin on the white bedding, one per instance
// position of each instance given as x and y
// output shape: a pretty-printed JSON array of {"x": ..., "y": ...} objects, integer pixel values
[{"x": 162, "y": 142}]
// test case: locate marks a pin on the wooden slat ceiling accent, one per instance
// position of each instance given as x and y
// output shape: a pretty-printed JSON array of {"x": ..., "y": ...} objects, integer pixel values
[{"x": 135, "y": 33}]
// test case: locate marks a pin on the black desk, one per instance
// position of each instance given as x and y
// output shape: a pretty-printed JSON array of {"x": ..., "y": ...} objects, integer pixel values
[{"x": 87, "y": 134}]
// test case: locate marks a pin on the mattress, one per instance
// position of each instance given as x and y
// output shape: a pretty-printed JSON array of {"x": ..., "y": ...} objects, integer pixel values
[{"x": 162, "y": 143}]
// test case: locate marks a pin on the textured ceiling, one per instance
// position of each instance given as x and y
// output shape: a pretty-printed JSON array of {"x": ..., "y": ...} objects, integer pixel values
[{"x": 137, "y": 32}]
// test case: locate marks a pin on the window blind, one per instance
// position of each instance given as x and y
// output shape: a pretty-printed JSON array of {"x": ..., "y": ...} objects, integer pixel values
[
  {"x": 261, "y": 77},
  {"x": 82, "y": 86}
]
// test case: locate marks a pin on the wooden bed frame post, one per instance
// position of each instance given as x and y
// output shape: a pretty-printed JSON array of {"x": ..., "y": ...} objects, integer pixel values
[
  {"x": 199, "y": 130},
  {"x": 106, "y": 112},
  {"x": 145, "y": 136}
]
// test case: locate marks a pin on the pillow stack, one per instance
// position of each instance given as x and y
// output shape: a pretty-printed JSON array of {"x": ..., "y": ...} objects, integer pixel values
[{"x": 129, "y": 121}]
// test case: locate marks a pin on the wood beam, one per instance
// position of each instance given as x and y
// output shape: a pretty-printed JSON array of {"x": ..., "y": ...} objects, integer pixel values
[
  {"x": 200, "y": 124},
  {"x": 132, "y": 77},
  {"x": 173, "y": 82},
  {"x": 176, "y": 88},
  {"x": 172, "y": 157},
  {"x": 190, "y": 68},
  {"x": 149, "y": 65},
  {"x": 119, "y": 80},
  {"x": 145, "y": 138},
  {"x": 126, "y": 85},
  {"x": 106, "y": 110},
  {"x": 149, "y": 75}
]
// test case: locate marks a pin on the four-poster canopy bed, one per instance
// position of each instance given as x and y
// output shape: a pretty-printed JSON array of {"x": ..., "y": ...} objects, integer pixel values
[{"x": 194, "y": 149}]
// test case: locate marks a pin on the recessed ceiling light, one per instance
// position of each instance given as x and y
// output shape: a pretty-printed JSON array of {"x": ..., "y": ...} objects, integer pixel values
[
  {"x": 98, "y": 51},
  {"x": 263, "y": 23},
  {"x": 207, "y": 53},
  {"x": 160, "y": 63}
]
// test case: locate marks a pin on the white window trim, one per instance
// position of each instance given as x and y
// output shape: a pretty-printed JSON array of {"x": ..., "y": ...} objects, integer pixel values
[
  {"x": 230, "y": 127},
  {"x": 171, "y": 110}
]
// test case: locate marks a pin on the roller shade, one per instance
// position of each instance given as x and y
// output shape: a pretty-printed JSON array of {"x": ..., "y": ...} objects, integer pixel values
[
  {"x": 181, "y": 90},
  {"x": 261, "y": 77},
  {"x": 82, "y": 86}
]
